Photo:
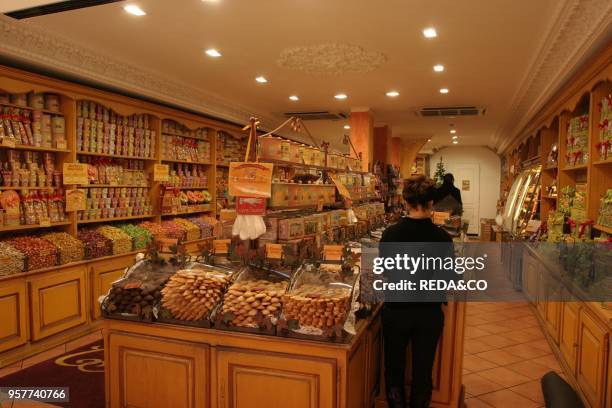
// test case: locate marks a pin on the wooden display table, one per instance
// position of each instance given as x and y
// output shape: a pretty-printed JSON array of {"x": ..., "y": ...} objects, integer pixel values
[{"x": 162, "y": 365}]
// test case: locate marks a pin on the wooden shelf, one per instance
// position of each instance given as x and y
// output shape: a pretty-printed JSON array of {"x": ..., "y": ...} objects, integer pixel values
[
  {"x": 118, "y": 156},
  {"x": 550, "y": 168},
  {"x": 28, "y": 188},
  {"x": 34, "y": 226},
  {"x": 35, "y": 148},
  {"x": 186, "y": 188},
  {"x": 602, "y": 228},
  {"x": 186, "y": 162},
  {"x": 50, "y": 112},
  {"x": 189, "y": 137},
  {"x": 111, "y": 185},
  {"x": 549, "y": 197},
  {"x": 576, "y": 168},
  {"x": 99, "y": 220},
  {"x": 603, "y": 162},
  {"x": 223, "y": 165},
  {"x": 186, "y": 213}
]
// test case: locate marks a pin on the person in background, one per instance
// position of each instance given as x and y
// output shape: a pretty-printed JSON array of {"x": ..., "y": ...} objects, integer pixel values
[
  {"x": 448, "y": 197},
  {"x": 412, "y": 322}
]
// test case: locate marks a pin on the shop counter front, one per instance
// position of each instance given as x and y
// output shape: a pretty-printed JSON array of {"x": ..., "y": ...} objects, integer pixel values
[{"x": 163, "y": 365}]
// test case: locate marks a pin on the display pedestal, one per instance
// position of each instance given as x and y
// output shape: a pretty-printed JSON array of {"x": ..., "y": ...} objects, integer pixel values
[{"x": 168, "y": 365}]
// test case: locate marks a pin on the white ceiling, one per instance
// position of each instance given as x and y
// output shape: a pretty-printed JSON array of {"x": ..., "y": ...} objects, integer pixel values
[{"x": 488, "y": 49}]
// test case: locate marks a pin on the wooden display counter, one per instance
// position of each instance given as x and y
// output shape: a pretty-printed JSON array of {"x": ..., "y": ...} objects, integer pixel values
[
  {"x": 165, "y": 365},
  {"x": 579, "y": 332}
]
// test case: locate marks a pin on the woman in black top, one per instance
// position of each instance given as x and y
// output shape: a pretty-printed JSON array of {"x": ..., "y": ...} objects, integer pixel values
[
  {"x": 416, "y": 323},
  {"x": 448, "y": 197}
]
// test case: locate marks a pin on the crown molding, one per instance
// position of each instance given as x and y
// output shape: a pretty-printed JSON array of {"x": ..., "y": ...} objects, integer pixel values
[
  {"x": 577, "y": 26},
  {"x": 21, "y": 41}
]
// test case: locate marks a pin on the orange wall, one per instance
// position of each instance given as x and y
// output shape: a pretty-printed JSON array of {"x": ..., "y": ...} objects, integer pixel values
[
  {"x": 395, "y": 149},
  {"x": 382, "y": 144},
  {"x": 362, "y": 135},
  {"x": 409, "y": 151}
]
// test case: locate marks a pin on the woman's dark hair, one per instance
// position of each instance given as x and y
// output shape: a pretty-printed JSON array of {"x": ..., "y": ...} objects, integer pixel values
[
  {"x": 418, "y": 190},
  {"x": 449, "y": 178}
]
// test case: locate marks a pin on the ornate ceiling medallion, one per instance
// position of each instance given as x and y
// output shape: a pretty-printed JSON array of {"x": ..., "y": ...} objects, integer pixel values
[{"x": 330, "y": 59}]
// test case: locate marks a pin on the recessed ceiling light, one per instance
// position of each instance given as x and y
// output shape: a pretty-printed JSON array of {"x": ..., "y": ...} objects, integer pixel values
[
  {"x": 135, "y": 10},
  {"x": 455, "y": 137},
  {"x": 340, "y": 96},
  {"x": 444, "y": 90},
  {"x": 294, "y": 98},
  {"x": 430, "y": 32},
  {"x": 453, "y": 131},
  {"x": 211, "y": 52},
  {"x": 347, "y": 127},
  {"x": 261, "y": 79},
  {"x": 455, "y": 141},
  {"x": 392, "y": 94},
  {"x": 438, "y": 68},
  {"x": 429, "y": 140}
]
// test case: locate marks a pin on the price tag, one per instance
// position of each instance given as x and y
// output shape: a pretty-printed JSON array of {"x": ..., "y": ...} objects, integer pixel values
[
  {"x": 221, "y": 246},
  {"x": 61, "y": 144},
  {"x": 161, "y": 172},
  {"x": 332, "y": 252},
  {"x": 7, "y": 142},
  {"x": 45, "y": 222},
  {"x": 75, "y": 200},
  {"x": 274, "y": 251},
  {"x": 75, "y": 173}
]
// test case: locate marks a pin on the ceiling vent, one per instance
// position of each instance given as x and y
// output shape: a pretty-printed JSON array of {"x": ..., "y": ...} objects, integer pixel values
[
  {"x": 317, "y": 115},
  {"x": 450, "y": 111}
]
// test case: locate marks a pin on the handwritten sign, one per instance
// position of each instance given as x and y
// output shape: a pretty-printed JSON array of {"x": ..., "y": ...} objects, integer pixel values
[
  {"x": 44, "y": 221},
  {"x": 75, "y": 200},
  {"x": 161, "y": 172},
  {"x": 221, "y": 246},
  {"x": 332, "y": 252},
  {"x": 250, "y": 179},
  {"x": 274, "y": 251},
  {"x": 61, "y": 144},
  {"x": 75, "y": 173}
]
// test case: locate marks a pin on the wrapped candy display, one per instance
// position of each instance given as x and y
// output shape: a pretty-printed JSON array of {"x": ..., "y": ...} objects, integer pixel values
[
  {"x": 141, "y": 237},
  {"x": 206, "y": 228},
  {"x": 96, "y": 244},
  {"x": 155, "y": 229},
  {"x": 40, "y": 253},
  {"x": 120, "y": 241},
  {"x": 182, "y": 143},
  {"x": 577, "y": 141},
  {"x": 12, "y": 260},
  {"x": 104, "y": 170},
  {"x": 605, "y": 210},
  {"x": 70, "y": 249},
  {"x": 604, "y": 147},
  {"x": 174, "y": 230}
]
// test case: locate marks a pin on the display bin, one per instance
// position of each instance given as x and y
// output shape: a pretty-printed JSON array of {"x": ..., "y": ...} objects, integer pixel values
[
  {"x": 253, "y": 302},
  {"x": 318, "y": 303},
  {"x": 214, "y": 281}
]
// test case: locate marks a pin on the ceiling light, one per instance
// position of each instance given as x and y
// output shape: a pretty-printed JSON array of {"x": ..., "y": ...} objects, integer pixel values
[
  {"x": 294, "y": 98},
  {"x": 429, "y": 140},
  {"x": 135, "y": 10},
  {"x": 438, "y": 68},
  {"x": 347, "y": 127},
  {"x": 455, "y": 137},
  {"x": 430, "y": 32},
  {"x": 261, "y": 79},
  {"x": 392, "y": 94},
  {"x": 455, "y": 141},
  {"x": 340, "y": 96},
  {"x": 453, "y": 131},
  {"x": 444, "y": 90},
  {"x": 213, "y": 53}
]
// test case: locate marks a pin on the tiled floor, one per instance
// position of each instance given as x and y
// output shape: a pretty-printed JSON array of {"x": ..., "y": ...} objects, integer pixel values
[
  {"x": 506, "y": 354},
  {"x": 45, "y": 355}
]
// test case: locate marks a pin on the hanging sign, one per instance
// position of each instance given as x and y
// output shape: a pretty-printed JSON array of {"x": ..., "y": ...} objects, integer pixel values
[
  {"x": 248, "y": 179},
  {"x": 333, "y": 252},
  {"x": 75, "y": 173},
  {"x": 340, "y": 186},
  {"x": 75, "y": 200},
  {"x": 251, "y": 205},
  {"x": 161, "y": 172}
]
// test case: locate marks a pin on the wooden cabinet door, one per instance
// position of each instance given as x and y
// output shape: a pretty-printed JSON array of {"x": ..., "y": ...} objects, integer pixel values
[
  {"x": 148, "y": 372},
  {"x": 374, "y": 358},
  {"x": 592, "y": 358},
  {"x": 249, "y": 379},
  {"x": 553, "y": 319},
  {"x": 530, "y": 277},
  {"x": 103, "y": 274},
  {"x": 57, "y": 301},
  {"x": 541, "y": 295},
  {"x": 13, "y": 314},
  {"x": 568, "y": 333}
]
